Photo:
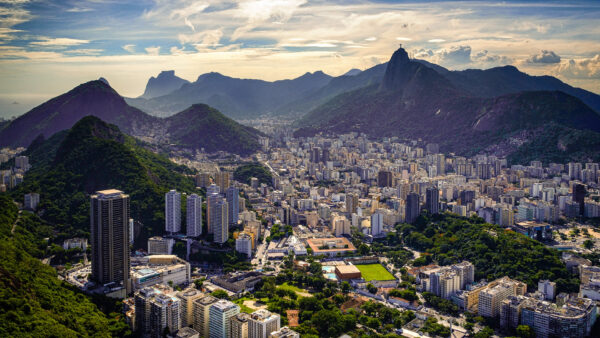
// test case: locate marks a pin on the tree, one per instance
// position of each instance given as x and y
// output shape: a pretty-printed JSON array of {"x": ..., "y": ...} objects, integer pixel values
[
  {"x": 345, "y": 287},
  {"x": 371, "y": 288},
  {"x": 221, "y": 294},
  {"x": 588, "y": 244},
  {"x": 525, "y": 331},
  {"x": 198, "y": 283},
  {"x": 485, "y": 333}
]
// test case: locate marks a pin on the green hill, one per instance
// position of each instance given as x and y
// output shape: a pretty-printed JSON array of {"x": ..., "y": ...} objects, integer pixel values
[
  {"x": 33, "y": 301},
  {"x": 91, "y": 156}
]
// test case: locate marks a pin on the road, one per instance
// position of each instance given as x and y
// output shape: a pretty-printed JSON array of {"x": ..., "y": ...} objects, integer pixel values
[{"x": 12, "y": 231}]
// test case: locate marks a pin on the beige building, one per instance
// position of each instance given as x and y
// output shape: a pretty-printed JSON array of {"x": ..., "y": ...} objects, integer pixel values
[
  {"x": 188, "y": 296},
  {"x": 238, "y": 327},
  {"x": 201, "y": 308}
]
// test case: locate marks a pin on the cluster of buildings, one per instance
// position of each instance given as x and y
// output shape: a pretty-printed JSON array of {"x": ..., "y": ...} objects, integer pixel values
[
  {"x": 12, "y": 177},
  {"x": 334, "y": 184},
  {"x": 191, "y": 313}
]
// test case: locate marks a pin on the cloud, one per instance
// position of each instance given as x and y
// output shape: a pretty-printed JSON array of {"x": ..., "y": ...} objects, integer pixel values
[
  {"x": 454, "y": 55},
  {"x": 484, "y": 57},
  {"x": 79, "y": 10},
  {"x": 130, "y": 48},
  {"x": 588, "y": 68},
  {"x": 546, "y": 56},
  {"x": 436, "y": 40},
  {"x": 400, "y": 38},
  {"x": 209, "y": 38},
  {"x": 260, "y": 12},
  {"x": 372, "y": 38},
  {"x": 60, "y": 42},
  {"x": 85, "y": 51},
  {"x": 152, "y": 50}
]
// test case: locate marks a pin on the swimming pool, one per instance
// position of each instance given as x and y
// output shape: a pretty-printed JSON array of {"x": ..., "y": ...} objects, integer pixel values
[
  {"x": 331, "y": 276},
  {"x": 328, "y": 268}
]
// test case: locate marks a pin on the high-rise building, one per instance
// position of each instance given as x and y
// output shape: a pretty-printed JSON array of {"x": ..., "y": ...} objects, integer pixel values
[
  {"x": 384, "y": 178},
  {"x": 31, "y": 201},
  {"x": 239, "y": 325},
  {"x": 219, "y": 213},
  {"x": 351, "y": 203},
  {"x": 412, "y": 207},
  {"x": 203, "y": 180},
  {"x": 211, "y": 202},
  {"x": 432, "y": 200},
  {"x": 165, "y": 312},
  {"x": 142, "y": 308},
  {"x": 109, "y": 228},
  {"x": 233, "y": 195},
  {"x": 172, "y": 211},
  {"x": 188, "y": 296},
  {"x": 22, "y": 162},
  {"x": 579, "y": 192},
  {"x": 202, "y": 314},
  {"x": 440, "y": 163},
  {"x": 220, "y": 314},
  {"x": 213, "y": 189},
  {"x": 160, "y": 245},
  {"x": 222, "y": 180},
  {"x": 243, "y": 244},
  {"x": 194, "y": 215},
  {"x": 376, "y": 224},
  {"x": 262, "y": 323}
]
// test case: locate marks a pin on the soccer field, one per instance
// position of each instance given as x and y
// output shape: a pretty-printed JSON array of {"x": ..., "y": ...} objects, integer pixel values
[{"x": 374, "y": 272}]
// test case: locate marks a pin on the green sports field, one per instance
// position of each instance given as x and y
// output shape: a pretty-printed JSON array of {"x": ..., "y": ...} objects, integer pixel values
[{"x": 374, "y": 272}]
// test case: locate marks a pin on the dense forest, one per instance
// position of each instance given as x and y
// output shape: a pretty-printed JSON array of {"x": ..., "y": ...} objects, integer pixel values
[{"x": 33, "y": 301}]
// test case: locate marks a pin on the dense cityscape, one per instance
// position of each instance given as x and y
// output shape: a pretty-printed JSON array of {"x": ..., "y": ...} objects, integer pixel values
[{"x": 299, "y": 168}]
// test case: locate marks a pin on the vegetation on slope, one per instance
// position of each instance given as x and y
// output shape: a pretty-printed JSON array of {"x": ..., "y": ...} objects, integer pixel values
[
  {"x": 245, "y": 172},
  {"x": 33, "y": 301},
  {"x": 94, "y": 156},
  {"x": 493, "y": 250},
  {"x": 201, "y": 126}
]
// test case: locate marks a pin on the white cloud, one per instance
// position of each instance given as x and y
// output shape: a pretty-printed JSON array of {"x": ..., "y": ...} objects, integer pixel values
[
  {"x": 257, "y": 12},
  {"x": 588, "y": 68},
  {"x": 207, "y": 38},
  {"x": 85, "y": 51},
  {"x": 152, "y": 50},
  {"x": 61, "y": 42},
  {"x": 130, "y": 48},
  {"x": 400, "y": 38},
  {"x": 371, "y": 39},
  {"x": 436, "y": 40},
  {"x": 546, "y": 56}
]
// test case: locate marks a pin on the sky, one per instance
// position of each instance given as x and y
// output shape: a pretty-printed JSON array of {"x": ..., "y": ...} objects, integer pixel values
[{"x": 49, "y": 47}]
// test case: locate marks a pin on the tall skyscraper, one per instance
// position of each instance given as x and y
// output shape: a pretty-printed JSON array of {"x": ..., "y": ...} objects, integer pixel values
[
  {"x": 412, "y": 207},
  {"x": 219, "y": 318},
  {"x": 188, "y": 296},
  {"x": 213, "y": 189},
  {"x": 109, "y": 227},
  {"x": 173, "y": 211},
  {"x": 233, "y": 196},
  {"x": 194, "y": 215},
  {"x": 221, "y": 221},
  {"x": 239, "y": 325},
  {"x": 211, "y": 202},
  {"x": 432, "y": 200},
  {"x": 351, "y": 203},
  {"x": 222, "y": 180}
]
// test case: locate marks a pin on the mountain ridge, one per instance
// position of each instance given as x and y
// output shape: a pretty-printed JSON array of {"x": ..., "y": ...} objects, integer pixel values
[{"x": 98, "y": 99}]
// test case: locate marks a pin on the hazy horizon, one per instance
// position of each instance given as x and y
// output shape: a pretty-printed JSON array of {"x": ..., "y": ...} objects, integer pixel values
[{"x": 48, "y": 48}]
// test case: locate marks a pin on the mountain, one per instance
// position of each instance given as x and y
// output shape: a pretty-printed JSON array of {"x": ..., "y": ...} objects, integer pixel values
[
  {"x": 415, "y": 101},
  {"x": 91, "y": 156},
  {"x": 352, "y": 72},
  {"x": 336, "y": 86},
  {"x": 236, "y": 98},
  {"x": 201, "y": 126},
  {"x": 96, "y": 98},
  {"x": 508, "y": 80},
  {"x": 165, "y": 83}
]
